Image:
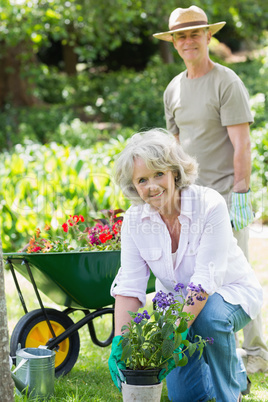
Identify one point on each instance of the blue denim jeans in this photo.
(219, 373)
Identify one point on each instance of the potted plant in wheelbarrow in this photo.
(153, 344)
(76, 235)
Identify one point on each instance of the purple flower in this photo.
(200, 298)
(210, 341)
(190, 301)
(196, 289)
(178, 287)
(146, 315)
(163, 300)
(138, 318)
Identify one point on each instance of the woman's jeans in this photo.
(219, 373)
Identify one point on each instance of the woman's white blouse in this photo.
(208, 253)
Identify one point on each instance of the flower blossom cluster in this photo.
(196, 291)
(100, 234)
(72, 221)
(210, 340)
(140, 317)
(77, 236)
(163, 300)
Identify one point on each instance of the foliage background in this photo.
(79, 77)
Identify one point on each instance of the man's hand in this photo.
(241, 213)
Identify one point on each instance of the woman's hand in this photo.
(115, 363)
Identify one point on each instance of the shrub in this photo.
(39, 184)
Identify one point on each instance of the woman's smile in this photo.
(157, 195)
(155, 187)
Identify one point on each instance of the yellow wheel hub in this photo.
(40, 335)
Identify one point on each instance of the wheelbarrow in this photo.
(75, 280)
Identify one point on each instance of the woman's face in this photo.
(156, 188)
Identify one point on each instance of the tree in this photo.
(6, 383)
(88, 30)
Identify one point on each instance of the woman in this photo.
(182, 232)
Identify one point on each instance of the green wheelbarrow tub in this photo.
(75, 279)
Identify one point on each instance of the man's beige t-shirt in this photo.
(200, 110)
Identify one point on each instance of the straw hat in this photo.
(184, 19)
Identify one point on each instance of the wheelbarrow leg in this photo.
(17, 286)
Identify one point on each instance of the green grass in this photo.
(90, 379)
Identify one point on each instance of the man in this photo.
(207, 109)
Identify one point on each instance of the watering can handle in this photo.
(21, 363)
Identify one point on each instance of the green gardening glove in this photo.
(115, 363)
(241, 213)
(171, 363)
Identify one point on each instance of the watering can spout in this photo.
(20, 385)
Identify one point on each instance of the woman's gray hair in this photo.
(161, 152)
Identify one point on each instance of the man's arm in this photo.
(240, 137)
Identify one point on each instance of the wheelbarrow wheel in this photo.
(32, 331)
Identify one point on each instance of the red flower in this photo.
(82, 219)
(65, 227)
(117, 226)
(75, 218)
(35, 249)
(104, 237)
(70, 223)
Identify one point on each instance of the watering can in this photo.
(35, 371)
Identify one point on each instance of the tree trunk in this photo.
(70, 59)
(6, 383)
(15, 88)
(165, 52)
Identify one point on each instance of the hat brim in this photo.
(167, 36)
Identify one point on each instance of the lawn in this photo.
(90, 379)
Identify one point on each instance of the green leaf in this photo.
(192, 348)
(147, 354)
(182, 326)
(185, 342)
(167, 330)
(183, 361)
(156, 315)
(177, 357)
(177, 340)
(167, 348)
(127, 351)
